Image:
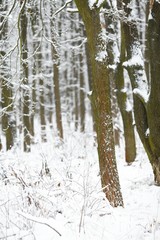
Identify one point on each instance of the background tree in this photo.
(153, 111)
(25, 75)
(8, 118)
(145, 109)
(117, 80)
(56, 64)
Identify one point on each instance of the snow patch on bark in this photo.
(136, 58)
(96, 3)
(101, 56)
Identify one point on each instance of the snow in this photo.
(93, 2)
(68, 201)
(136, 60)
(101, 56)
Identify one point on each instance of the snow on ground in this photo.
(54, 193)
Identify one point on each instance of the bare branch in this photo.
(64, 6)
(38, 220)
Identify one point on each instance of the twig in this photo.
(38, 220)
(8, 236)
(60, 9)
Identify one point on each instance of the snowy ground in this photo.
(54, 193)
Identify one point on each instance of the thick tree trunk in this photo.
(101, 104)
(153, 109)
(147, 113)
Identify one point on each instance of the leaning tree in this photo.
(145, 92)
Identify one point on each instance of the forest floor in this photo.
(54, 193)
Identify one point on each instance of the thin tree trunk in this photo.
(25, 88)
(126, 111)
(8, 120)
(56, 61)
(57, 94)
(82, 94)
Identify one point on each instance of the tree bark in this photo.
(56, 61)
(118, 82)
(82, 94)
(147, 113)
(101, 103)
(25, 73)
(8, 120)
(154, 99)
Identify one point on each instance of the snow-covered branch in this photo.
(64, 6)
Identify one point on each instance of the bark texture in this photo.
(24, 67)
(153, 109)
(55, 58)
(147, 113)
(117, 81)
(8, 120)
(101, 103)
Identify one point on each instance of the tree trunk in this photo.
(25, 88)
(57, 95)
(153, 109)
(8, 120)
(117, 79)
(34, 25)
(147, 113)
(126, 111)
(82, 94)
(56, 61)
(101, 103)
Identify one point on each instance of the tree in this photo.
(118, 81)
(56, 63)
(25, 74)
(101, 102)
(8, 120)
(153, 111)
(147, 114)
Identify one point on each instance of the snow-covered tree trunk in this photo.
(8, 120)
(35, 44)
(117, 81)
(82, 93)
(153, 109)
(101, 102)
(23, 21)
(147, 114)
(135, 66)
(125, 109)
(56, 63)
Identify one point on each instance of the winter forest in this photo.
(80, 119)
